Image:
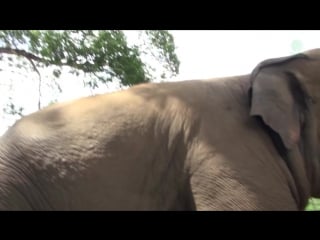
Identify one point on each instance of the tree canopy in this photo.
(102, 55)
(105, 54)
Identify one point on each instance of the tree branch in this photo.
(39, 87)
(23, 53)
(31, 56)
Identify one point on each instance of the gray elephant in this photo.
(236, 143)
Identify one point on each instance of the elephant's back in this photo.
(92, 141)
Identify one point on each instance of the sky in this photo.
(203, 54)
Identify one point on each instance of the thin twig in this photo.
(39, 86)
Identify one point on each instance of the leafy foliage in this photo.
(313, 205)
(105, 55)
(99, 56)
(10, 108)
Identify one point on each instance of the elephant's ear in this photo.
(278, 98)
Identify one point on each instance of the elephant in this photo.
(247, 142)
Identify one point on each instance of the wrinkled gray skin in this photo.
(236, 143)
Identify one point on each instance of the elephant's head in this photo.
(285, 95)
